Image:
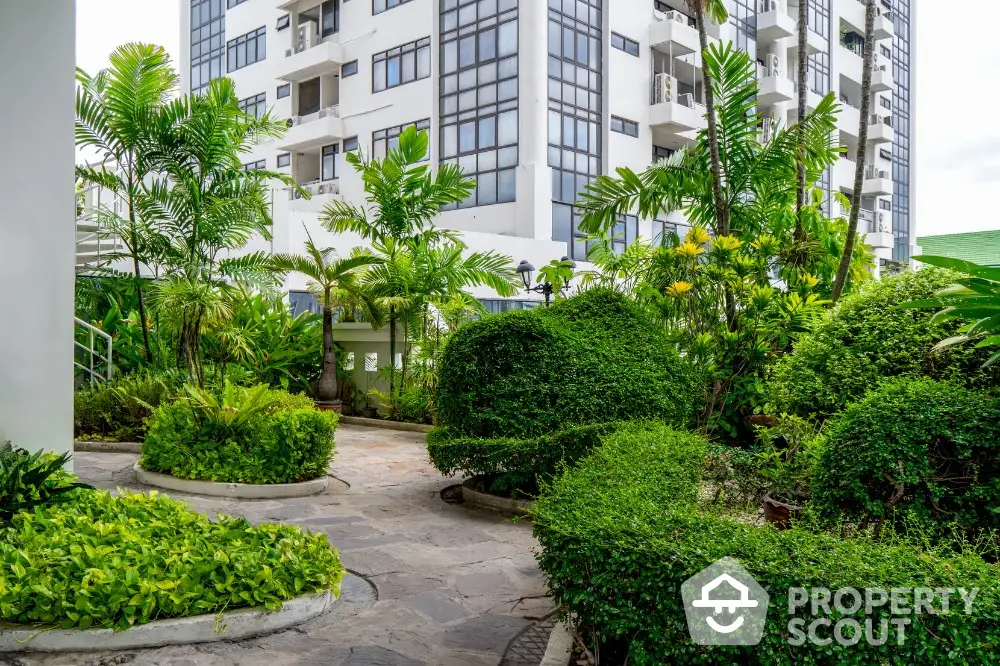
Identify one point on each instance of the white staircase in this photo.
(95, 247)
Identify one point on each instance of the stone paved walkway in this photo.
(454, 586)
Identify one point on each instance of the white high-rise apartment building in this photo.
(536, 97)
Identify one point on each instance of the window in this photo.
(625, 44)
(246, 49)
(255, 166)
(328, 162)
(884, 204)
(388, 139)
(885, 102)
(379, 6)
(661, 230)
(661, 153)
(330, 17)
(401, 65)
(254, 106)
(284, 90)
(351, 144)
(283, 22)
(208, 43)
(232, 3)
(886, 51)
(622, 126)
(284, 159)
(625, 232)
(478, 71)
(349, 69)
(885, 153)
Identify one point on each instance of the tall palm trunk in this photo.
(859, 171)
(135, 263)
(326, 389)
(392, 356)
(721, 210)
(803, 90)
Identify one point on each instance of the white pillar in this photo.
(37, 233)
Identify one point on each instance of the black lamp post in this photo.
(525, 269)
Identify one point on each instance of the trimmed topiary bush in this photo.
(251, 435)
(593, 358)
(928, 449)
(106, 561)
(867, 338)
(621, 532)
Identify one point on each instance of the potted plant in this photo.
(369, 410)
(788, 451)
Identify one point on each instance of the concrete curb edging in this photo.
(489, 502)
(237, 490)
(388, 425)
(559, 650)
(226, 626)
(108, 447)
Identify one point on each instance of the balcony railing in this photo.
(332, 111)
(314, 188)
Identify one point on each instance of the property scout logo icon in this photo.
(725, 605)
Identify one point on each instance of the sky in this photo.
(957, 143)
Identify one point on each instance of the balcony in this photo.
(671, 32)
(815, 43)
(774, 87)
(878, 182)
(884, 28)
(321, 194)
(313, 130)
(306, 60)
(881, 77)
(849, 120)
(774, 24)
(877, 226)
(880, 129)
(673, 111)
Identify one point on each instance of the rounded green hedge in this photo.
(289, 442)
(622, 531)
(867, 338)
(593, 358)
(925, 449)
(107, 561)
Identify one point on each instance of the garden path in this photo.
(454, 586)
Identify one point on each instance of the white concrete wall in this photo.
(36, 224)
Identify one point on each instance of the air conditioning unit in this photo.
(767, 6)
(687, 99)
(771, 62)
(676, 16)
(307, 36)
(329, 188)
(664, 86)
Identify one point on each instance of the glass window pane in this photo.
(392, 74)
(487, 160)
(450, 57)
(507, 157)
(487, 132)
(449, 135)
(507, 39)
(507, 127)
(467, 51)
(379, 76)
(562, 229)
(487, 188)
(467, 137)
(506, 186)
(409, 66)
(423, 62)
(569, 131)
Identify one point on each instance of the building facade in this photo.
(535, 98)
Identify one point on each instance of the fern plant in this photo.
(231, 410)
(28, 480)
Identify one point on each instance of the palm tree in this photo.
(115, 113)
(859, 169)
(803, 91)
(329, 277)
(403, 196)
(714, 10)
(190, 306)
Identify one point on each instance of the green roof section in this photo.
(979, 247)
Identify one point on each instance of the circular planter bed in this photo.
(108, 447)
(227, 626)
(475, 496)
(238, 490)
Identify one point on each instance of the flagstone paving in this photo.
(440, 584)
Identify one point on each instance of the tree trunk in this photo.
(803, 91)
(326, 389)
(138, 278)
(859, 172)
(721, 210)
(392, 356)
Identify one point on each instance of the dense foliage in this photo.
(589, 359)
(106, 561)
(515, 463)
(926, 449)
(866, 338)
(621, 532)
(28, 480)
(118, 409)
(241, 436)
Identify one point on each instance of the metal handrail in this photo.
(91, 349)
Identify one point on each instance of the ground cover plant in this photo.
(106, 561)
(242, 435)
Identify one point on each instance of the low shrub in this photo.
(28, 480)
(250, 435)
(119, 409)
(105, 561)
(593, 358)
(514, 464)
(924, 449)
(621, 532)
(867, 338)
